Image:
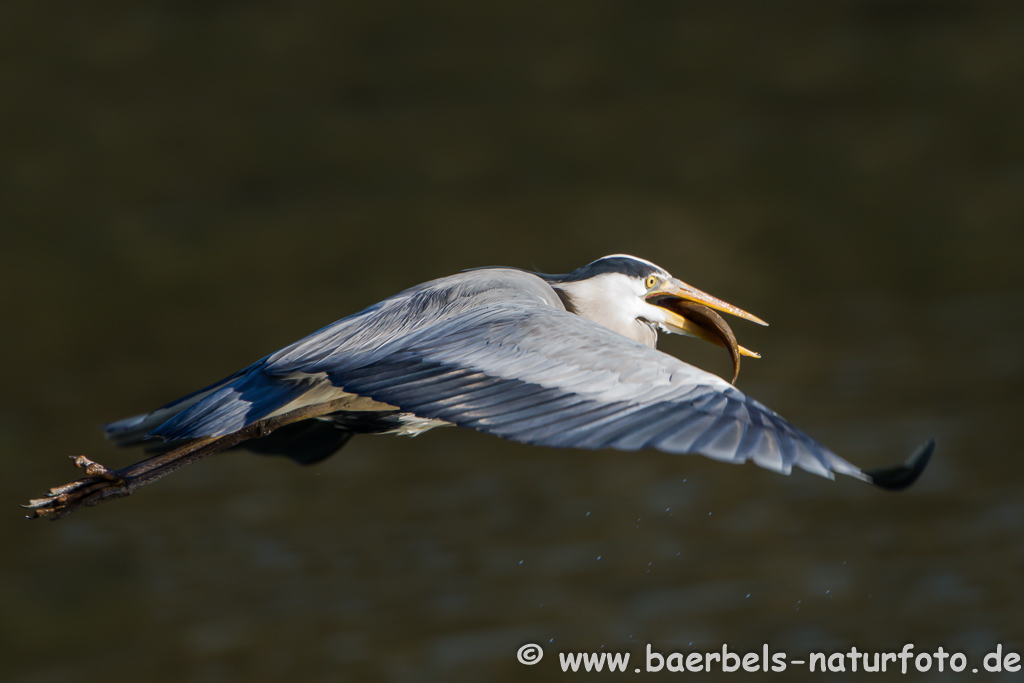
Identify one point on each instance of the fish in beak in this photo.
(692, 312)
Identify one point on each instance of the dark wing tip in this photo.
(900, 477)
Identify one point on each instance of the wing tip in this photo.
(899, 477)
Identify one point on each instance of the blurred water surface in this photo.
(187, 187)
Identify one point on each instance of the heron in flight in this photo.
(551, 360)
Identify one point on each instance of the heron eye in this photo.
(651, 281)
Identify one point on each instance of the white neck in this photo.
(611, 300)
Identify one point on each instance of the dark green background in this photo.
(185, 187)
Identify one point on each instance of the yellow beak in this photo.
(689, 311)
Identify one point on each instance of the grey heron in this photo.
(551, 360)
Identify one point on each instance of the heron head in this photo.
(637, 298)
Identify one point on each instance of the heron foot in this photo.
(99, 484)
(93, 468)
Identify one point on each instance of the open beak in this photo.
(692, 312)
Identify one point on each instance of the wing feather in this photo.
(529, 372)
(502, 356)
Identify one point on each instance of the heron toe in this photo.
(62, 500)
(93, 468)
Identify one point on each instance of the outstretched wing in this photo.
(527, 371)
(497, 354)
(502, 356)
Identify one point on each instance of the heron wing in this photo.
(525, 370)
(502, 356)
